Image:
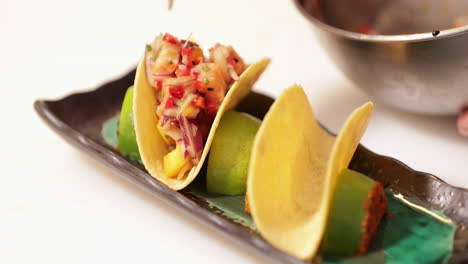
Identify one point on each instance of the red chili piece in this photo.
(187, 56)
(187, 51)
(211, 107)
(198, 85)
(170, 102)
(158, 85)
(232, 62)
(176, 91)
(199, 102)
(169, 38)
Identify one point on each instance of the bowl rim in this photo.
(405, 38)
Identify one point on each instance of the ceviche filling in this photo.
(189, 90)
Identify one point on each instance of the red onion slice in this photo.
(187, 136)
(192, 141)
(198, 139)
(167, 120)
(164, 120)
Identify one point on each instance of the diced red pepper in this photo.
(170, 102)
(199, 102)
(198, 85)
(187, 57)
(211, 107)
(158, 85)
(187, 51)
(176, 91)
(169, 38)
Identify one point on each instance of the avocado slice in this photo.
(358, 205)
(230, 153)
(127, 139)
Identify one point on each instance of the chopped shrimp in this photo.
(210, 84)
(185, 83)
(162, 59)
(227, 58)
(191, 55)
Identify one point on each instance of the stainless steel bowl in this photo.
(415, 58)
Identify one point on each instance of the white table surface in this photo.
(59, 206)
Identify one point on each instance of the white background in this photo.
(59, 206)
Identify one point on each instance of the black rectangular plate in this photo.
(78, 118)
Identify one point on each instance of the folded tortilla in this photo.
(293, 170)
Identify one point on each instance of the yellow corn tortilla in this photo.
(293, 169)
(151, 144)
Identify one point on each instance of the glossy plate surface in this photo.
(81, 117)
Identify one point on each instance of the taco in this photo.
(290, 201)
(179, 98)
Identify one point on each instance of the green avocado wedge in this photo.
(230, 154)
(127, 139)
(358, 205)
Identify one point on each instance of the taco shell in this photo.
(293, 169)
(151, 144)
